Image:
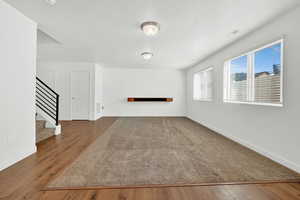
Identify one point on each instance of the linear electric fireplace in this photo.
(150, 99)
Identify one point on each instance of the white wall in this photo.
(119, 84)
(273, 131)
(97, 93)
(58, 75)
(17, 85)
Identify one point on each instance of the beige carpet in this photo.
(166, 151)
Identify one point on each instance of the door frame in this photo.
(89, 96)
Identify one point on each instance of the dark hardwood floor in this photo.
(26, 179)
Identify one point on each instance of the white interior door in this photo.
(80, 94)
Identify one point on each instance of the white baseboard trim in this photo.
(20, 157)
(289, 164)
(98, 116)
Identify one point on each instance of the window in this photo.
(203, 85)
(255, 77)
(238, 79)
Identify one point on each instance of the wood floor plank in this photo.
(26, 179)
(281, 190)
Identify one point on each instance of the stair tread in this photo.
(43, 134)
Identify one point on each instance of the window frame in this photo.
(212, 84)
(251, 76)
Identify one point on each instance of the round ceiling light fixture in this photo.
(147, 55)
(51, 2)
(150, 28)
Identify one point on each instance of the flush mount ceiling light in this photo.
(150, 28)
(147, 55)
(51, 2)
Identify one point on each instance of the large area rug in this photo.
(145, 152)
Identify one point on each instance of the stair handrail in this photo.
(45, 98)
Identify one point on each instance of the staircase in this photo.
(47, 106)
(42, 133)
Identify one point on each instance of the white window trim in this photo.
(250, 55)
(254, 103)
(205, 99)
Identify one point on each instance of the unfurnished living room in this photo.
(150, 100)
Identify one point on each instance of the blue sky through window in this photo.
(239, 65)
(266, 58)
(239, 68)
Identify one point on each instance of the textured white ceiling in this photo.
(108, 31)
